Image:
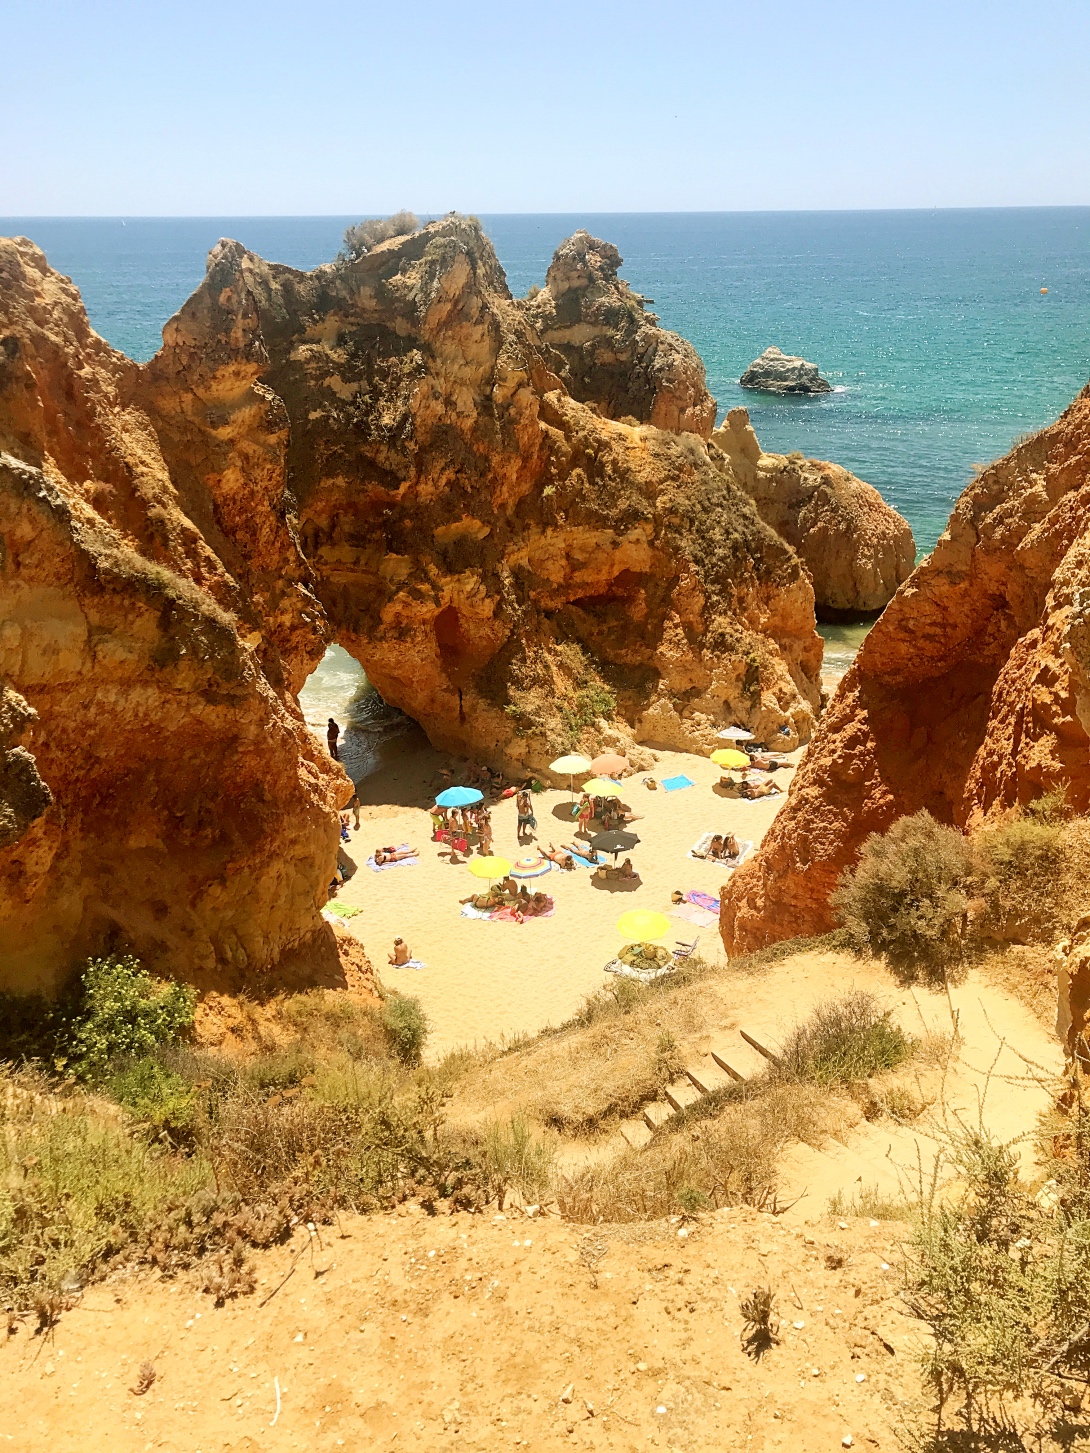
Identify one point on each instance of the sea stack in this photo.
(781, 373)
(857, 548)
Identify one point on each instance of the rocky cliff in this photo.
(158, 788)
(857, 548)
(615, 356)
(383, 453)
(970, 695)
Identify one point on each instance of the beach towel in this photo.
(468, 911)
(701, 847)
(401, 862)
(703, 900)
(675, 784)
(645, 976)
(690, 913)
(507, 915)
(412, 964)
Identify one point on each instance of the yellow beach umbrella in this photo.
(570, 766)
(640, 925)
(489, 867)
(602, 787)
(728, 757)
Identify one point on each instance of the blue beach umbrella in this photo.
(459, 797)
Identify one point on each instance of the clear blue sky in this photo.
(226, 108)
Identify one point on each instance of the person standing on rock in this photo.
(332, 732)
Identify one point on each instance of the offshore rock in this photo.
(615, 356)
(857, 548)
(781, 373)
(970, 696)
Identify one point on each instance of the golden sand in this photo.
(487, 980)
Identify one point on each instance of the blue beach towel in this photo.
(675, 784)
(582, 862)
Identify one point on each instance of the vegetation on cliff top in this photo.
(363, 236)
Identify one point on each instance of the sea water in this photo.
(932, 326)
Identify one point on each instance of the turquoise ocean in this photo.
(931, 326)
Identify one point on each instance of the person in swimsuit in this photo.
(393, 855)
(561, 859)
(527, 822)
(401, 954)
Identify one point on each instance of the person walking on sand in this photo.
(332, 732)
(527, 822)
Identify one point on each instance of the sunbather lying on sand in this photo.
(538, 904)
(485, 901)
(394, 855)
(561, 859)
(582, 851)
(752, 790)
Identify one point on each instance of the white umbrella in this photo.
(735, 734)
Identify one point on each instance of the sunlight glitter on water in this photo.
(339, 688)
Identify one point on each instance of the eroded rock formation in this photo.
(857, 548)
(380, 452)
(158, 789)
(971, 694)
(783, 373)
(615, 356)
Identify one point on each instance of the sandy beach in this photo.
(487, 980)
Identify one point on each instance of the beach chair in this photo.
(685, 950)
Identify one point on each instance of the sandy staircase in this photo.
(739, 1057)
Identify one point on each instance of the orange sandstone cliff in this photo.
(970, 695)
(857, 548)
(388, 453)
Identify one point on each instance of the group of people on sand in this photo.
(722, 847)
(459, 824)
(609, 811)
(509, 894)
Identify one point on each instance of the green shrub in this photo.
(512, 1159)
(360, 238)
(406, 1027)
(1021, 870)
(907, 897)
(123, 1011)
(1002, 1279)
(157, 1097)
(843, 1042)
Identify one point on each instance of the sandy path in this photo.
(486, 980)
(447, 1332)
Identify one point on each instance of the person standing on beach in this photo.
(332, 732)
(354, 805)
(527, 822)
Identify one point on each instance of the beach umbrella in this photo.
(609, 764)
(602, 787)
(459, 796)
(729, 757)
(614, 842)
(569, 766)
(532, 866)
(640, 925)
(489, 868)
(735, 734)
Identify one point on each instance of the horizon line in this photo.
(566, 212)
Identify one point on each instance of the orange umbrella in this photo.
(609, 764)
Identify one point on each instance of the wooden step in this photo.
(636, 1132)
(707, 1076)
(682, 1093)
(655, 1113)
(740, 1060)
(760, 1043)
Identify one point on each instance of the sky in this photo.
(153, 107)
